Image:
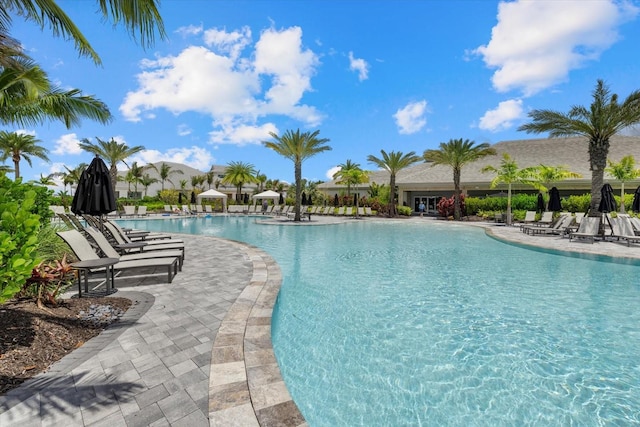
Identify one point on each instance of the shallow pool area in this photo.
(391, 323)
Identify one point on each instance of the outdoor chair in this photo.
(207, 209)
(142, 211)
(589, 229)
(129, 210)
(123, 239)
(83, 250)
(558, 228)
(621, 228)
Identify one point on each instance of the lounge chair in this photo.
(589, 229)
(123, 241)
(83, 250)
(622, 229)
(129, 210)
(141, 211)
(136, 235)
(558, 228)
(207, 209)
(199, 209)
(367, 211)
(111, 252)
(529, 218)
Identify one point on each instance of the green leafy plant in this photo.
(18, 236)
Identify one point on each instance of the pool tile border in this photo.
(245, 383)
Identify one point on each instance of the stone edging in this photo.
(245, 384)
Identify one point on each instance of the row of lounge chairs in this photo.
(188, 209)
(93, 239)
(288, 210)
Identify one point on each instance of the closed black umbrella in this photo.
(304, 198)
(554, 200)
(309, 200)
(193, 197)
(246, 198)
(636, 200)
(607, 201)
(336, 201)
(179, 198)
(94, 195)
(355, 200)
(281, 200)
(540, 207)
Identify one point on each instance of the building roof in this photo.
(571, 153)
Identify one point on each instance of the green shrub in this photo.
(404, 210)
(577, 203)
(18, 236)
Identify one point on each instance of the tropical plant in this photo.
(72, 176)
(393, 162)
(446, 206)
(113, 152)
(134, 175)
(344, 170)
(602, 120)
(28, 98)
(141, 18)
(353, 176)
(297, 147)
(623, 171)
(238, 174)
(147, 181)
(165, 171)
(19, 146)
(457, 153)
(508, 173)
(18, 236)
(543, 176)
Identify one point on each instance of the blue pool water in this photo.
(403, 324)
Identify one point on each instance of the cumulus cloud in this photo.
(184, 130)
(234, 85)
(359, 65)
(242, 134)
(411, 118)
(68, 144)
(502, 117)
(189, 30)
(196, 157)
(535, 44)
(332, 172)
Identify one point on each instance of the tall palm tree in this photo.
(134, 175)
(598, 123)
(147, 181)
(393, 162)
(72, 176)
(164, 172)
(28, 98)
(508, 173)
(297, 147)
(457, 153)
(141, 18)
(345, 170)
(238, 174)
(19, 146)
(623, 171)
(544, 175)
(113, 152)
(261, 179)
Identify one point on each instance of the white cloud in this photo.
(537, 43)
(234, 87)
(196, 157)
(68, 144)
(502, 117)
(189, 30)
(332, 172)
(184, 130)
(359, 65)
(411, 118)
(26, 132)
(242, 134)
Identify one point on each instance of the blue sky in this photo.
(370, 75)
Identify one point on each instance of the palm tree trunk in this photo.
(622, 197)
(598, 151)
(392, 196)
(298, 177)
(509, 204)
(456, 196)
(16, 167)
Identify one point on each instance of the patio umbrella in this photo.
(246, 198)
(355, 200)
(309, 201)
(336, 201)
(281, 199)
(304, 198)
(94, 195)
(636, 200)
(554, 200)
(193, 197)
(179, 198)
(540, 207)
(607, 201)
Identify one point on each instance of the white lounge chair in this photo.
(589, 229)
(142, 210)
(129, 210)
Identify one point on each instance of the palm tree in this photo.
(141, 18)
(345, 170)
(113, 152)
(147, 181)
(545, 175)
(393, 163)
(297, 147)
(261, 179)
(134, 175)
(354, 176)
(602, 120)
(457, 153)
(165, 172)
(508, 173)
(28, 98)
(19, 146)
(623, 171)
(72, 176)
(210, 177)
(238, 174)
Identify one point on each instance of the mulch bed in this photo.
(32, 339)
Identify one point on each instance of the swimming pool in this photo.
(437, 324)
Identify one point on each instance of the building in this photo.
(424, 182)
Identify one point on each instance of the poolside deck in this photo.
(198, 352)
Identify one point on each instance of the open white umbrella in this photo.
(214, 194)
(269, 194)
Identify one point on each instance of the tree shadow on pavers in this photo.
(59, 395)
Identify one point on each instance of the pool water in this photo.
(405, 323)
